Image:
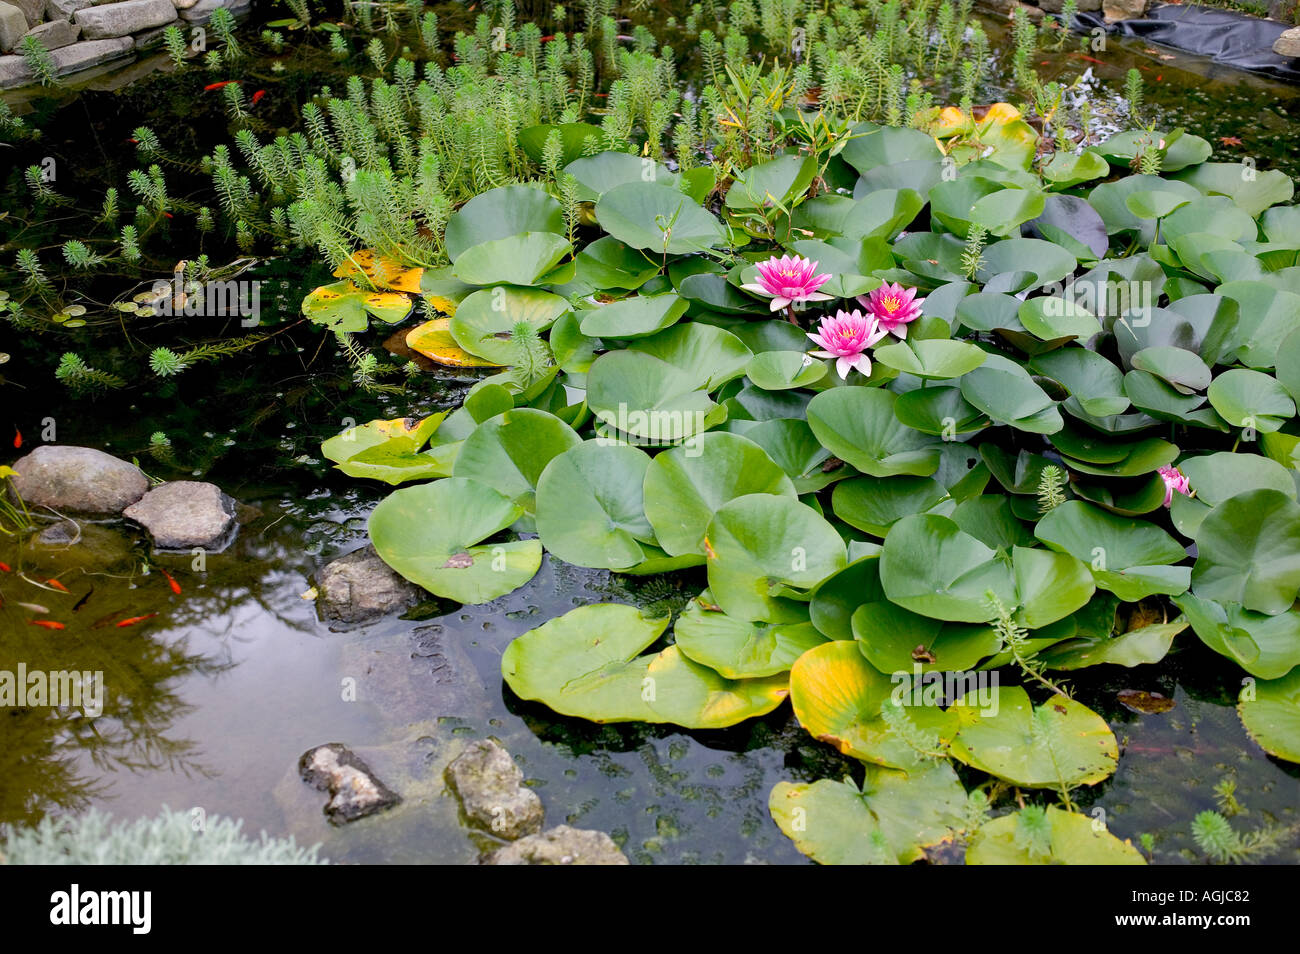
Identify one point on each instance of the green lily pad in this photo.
(591, 507)
(738, 649)
(874, 504)
(637, 317)
(897, 640)
(483, 322)
(1005, 392)
(501, 213)
(642, 395)
(931, 357)
(1061, 744)
(772, 184)
(658, 218)
(686, 486)
(586, 664)
(858, 425)
(1251, 399)
(930, 566)
(429, 533)
(1066, 838)
(1090, 378)
(837, 597)
(1265, 646)
(528, 258)
(1249, 552)
(1270, 710)
(782, 370)
(342, 306)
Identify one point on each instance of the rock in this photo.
(561, 845)
(360, 586)
(64, 9)
(490, 787)
(69, 545)
(1288, 44)
(13, 25)
(153, 37)
(120, 19)
(183, 4)
(1051, 6)
(1114, 10)
(181, 514)
(33, 10)
(1089, 6)
(1035, 13)
(78, 479)
(1283, 11)
(56, 34)
(354, 790)
(199, 11)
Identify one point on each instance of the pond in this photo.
(232, 674)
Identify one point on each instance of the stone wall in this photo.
(83, 33)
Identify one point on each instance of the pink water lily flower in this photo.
(789, 279)
(846, 337)
(893, 306)
(1175, 480)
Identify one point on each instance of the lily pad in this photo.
(658, 218)
(858, 425)
(1270, 710)
(1067, 838)
(1249, 552)
(344, 307)
(741, 650)
(483, 322)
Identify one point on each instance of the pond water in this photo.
(214, 699)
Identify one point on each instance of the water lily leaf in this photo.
(484, 320)
(1270, 711)
(887, 145)
(509, 452)
(1005, 392)
(501, 213)
(604, 171)
(1138, 647)
(1267, 316)
(1065, 169)
(708, 355)
(1070, 838)
(1265, 646)
(891, 820)
(380, 271)
(930, 566)
(775, 183)
(1251, 399)
(795, 449)
(528, 258)
(837, 597)
(1130, 558)
(1216, 477)
(989, 518)
(434, 340)
(1090, 378)
(442, 292)
(1049, 586)
(1154, 203)
(1060, 744)
(404, 433)
(342, 306)
(1181, 369)
(952, 202)
(1051, 263)
(686, 486)
(1249, 552)
(897, 640)
(1252, 190)
(428, 533)
(608, 263)
(738, 649)
(645, 396)
(837, 697)
(874, 504)
(858, 425)
(591, 507)
(1177, 148)
(586, 664)
(881, 214)
(1215, 214)
(637, 317)
(760, 545)
(1002, 213)
(574, 140)
(1052, 318)
(1094, 454)
(931, 358)
(1110, 198)
(659, 218)
(781, 370)
(940, 411)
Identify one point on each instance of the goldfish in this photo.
(136, 619)
(46, 623)
(57, 585)
(258, 95)
(5, 567)
(176, 587)
(18, 438)
(212, 86)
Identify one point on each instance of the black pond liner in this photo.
(1233, 39)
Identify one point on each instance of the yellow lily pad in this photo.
(342, 306)
(433, 340)
(381, 271)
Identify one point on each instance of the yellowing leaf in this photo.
(433, 340)
(382, 271)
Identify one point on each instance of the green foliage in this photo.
(39, 61)
(80, 378)
(168, 838)
(177, 49)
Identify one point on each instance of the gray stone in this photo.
(12, 26)
(119, 19)
(1051, 6)
(360, 586)
(1114, 10)
(64, 9)
(87, 53)
(153, 37)
(56, 34)
(33, 10)
(183, 4)
(490, 787)
(13, 71)
(185, 513)
(354, 790)
(1283, 11)
(78, 479)
(1288, 44)
(561, 845)
(202, 9)
(1089, 6)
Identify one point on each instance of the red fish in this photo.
(212, 86)
(133, 620)
(1090, 59)
(176, 587)
(46, 623)
(57, 585)
(18, 438)
(6, 568)
(258, 95)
